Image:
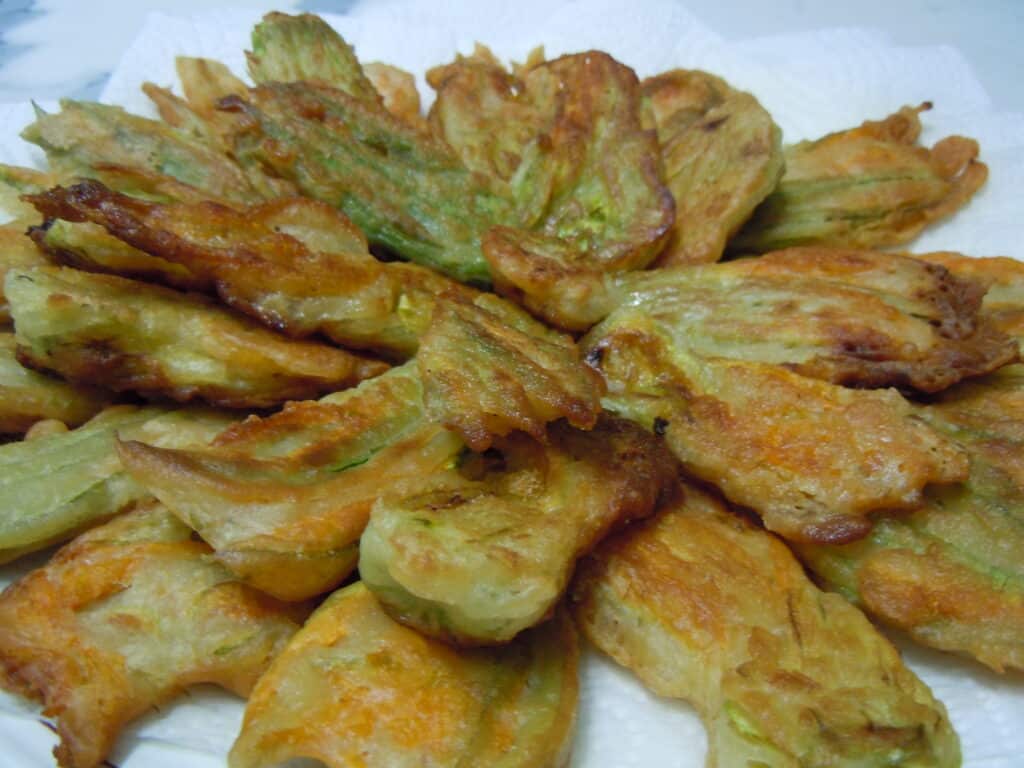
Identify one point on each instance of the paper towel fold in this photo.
(811, 83)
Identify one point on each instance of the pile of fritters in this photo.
(548, 407)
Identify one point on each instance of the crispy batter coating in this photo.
(858, 318)
(589, 192)
(950, 573)
(16, 252)
(294, 264)
(705, 607)
(87, 246)
(485, 113)
(868, 187)
(812, 458)
(355, 687)
(304, 47)
(318, 121)
(53, 486)
(132, 336)
(397, 89)
(204, 83)
(15, 181)
(405, 189)
(283, 500)
(89, 139)
(487, 373)
(27, 397)
(722, 153)
(123, 619)
(1003, 279)
(478, 553)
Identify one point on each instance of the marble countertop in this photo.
(54, 48)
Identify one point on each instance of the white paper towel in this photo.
(812, 84)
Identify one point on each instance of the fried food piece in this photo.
(204, 83)
(705, 607)
(52, 487)
(590, 193)
(16, 252)
(723, 156)
(15, 181)
(485, 376)
(950, 573)
(478, 553)
(123, 619)
(287, 49)
(857, 318)
(812, 458)
(405, 189)
(302, 266)
(397, 89)
(303, 481)
(1003, 279)
(867, 187)
(295, 264)
(485, 113)
(89, 247)
(86, 139)
(27, 397)
(355, 687)
(132, 336)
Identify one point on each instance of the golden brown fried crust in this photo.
(303, 480)
(296, 265)
(871, 186)
(397, 88)
(813, 459)
(722, 154)
(90, 248)
(27, 397)
(592, 199)
(705, 607)
(876, 296)
(364, 690)
(130, 336)
(476, 554)
(488, 374)
(482, 110)
(121, 620)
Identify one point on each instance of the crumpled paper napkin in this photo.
(812, 83)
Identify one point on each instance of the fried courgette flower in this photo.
(858, 318)
(868, 187)
(55, 486)
(704, 606)
(301, 266)
(27, 397)
(589, 194)
(488, 372)
(121, 620)
(130, 336)
(477, 553)
(575, 193)
(815, 460)
(294, 264)
(283, 500)
(16, 252)
(950, 573)
(722, 153)
(354, 687)
(404, 188)
(138, 155)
